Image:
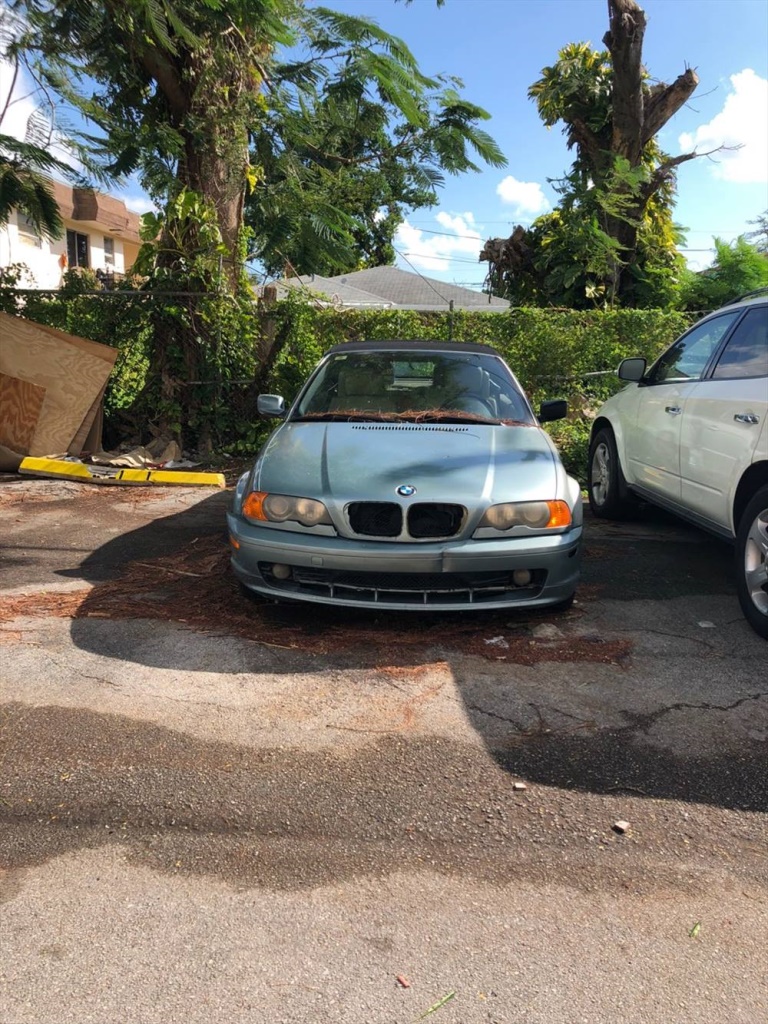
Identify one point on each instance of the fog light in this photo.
(281, 572)
(521, 577)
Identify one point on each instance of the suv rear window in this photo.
(746, 354)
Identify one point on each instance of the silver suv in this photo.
(690, 434)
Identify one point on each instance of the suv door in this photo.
(723, 419)
(653, 444)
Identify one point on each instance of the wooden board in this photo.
(20, 405)
(89, 434)
(73, 371)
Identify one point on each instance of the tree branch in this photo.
(664, 102)
(664, 171)
(168, 82)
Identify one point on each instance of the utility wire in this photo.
(426, 280)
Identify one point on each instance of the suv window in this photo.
(686, 359)
(746, 354)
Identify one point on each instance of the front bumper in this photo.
(439, 576)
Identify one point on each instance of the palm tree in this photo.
(25, 185)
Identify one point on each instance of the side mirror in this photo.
(271, 406)
(557, 409)
(632, 369)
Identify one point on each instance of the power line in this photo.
(424, 279)
(429, 256)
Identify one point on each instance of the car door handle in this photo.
(746, 417)
(673, 410)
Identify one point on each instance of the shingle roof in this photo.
(414, 291)
(336, 292)
(390, 287)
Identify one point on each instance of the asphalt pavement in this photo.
(221, 810)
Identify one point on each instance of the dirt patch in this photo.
(196, 587)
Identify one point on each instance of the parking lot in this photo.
(216, 808)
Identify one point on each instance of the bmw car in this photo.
(409, 475)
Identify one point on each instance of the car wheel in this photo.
(607, 490)
(752, 562)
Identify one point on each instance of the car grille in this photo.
(435, 520)
(426, 520)
(375, 518)
(405, 588)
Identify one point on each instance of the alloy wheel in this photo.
(756, 562)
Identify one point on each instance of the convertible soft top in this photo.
(442, 346)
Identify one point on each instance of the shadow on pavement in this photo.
(162, 590)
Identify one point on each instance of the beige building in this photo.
(101, 234)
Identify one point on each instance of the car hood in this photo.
(341, 462)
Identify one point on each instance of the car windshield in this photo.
(414, 386)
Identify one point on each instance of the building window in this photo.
(27, 231)
(77, 249)
(109, 252)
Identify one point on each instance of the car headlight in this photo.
(538, 515)
(279, 508)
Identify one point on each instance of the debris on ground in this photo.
(621, 827)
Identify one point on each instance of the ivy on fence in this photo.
(245, 349)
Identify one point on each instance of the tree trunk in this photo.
(639, 113)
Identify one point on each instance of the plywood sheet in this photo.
(73, 371)
(88, 437)
(20, 404)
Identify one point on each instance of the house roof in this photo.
(97, 210)
(414, 291)
(392, 288)
(336, 292)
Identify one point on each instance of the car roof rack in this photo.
(756, 294)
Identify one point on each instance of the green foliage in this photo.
(612, 240)
(25, 186)
(553, 353)
(738, 267)
(348, 143)
(759, 237)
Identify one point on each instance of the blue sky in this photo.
(499, 47)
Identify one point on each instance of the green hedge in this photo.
(552, 352)
(541, 346)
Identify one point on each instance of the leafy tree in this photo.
(760, 235)
(25, 186)
(195, 99)
(614, 239)
(340, 168)
(181, 92)
(739, 267)
(25, 165)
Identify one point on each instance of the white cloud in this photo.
(136, 203)
(26, 100)
(459, 237)
(526, 197)
(22, 104)
(743, 121)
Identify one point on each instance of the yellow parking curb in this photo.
(62, 469)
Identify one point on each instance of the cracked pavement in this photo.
(213, 809)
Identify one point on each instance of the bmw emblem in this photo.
(406, 490)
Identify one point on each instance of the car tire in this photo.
(752, 562)
(608, 497)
